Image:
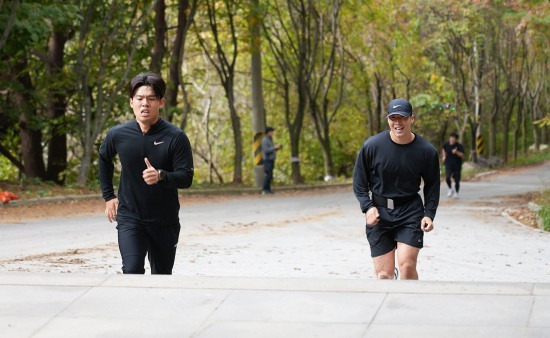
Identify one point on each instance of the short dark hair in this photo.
(150, 79)
(455, 135)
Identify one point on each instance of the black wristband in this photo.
(162, 174)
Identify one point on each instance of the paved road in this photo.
(310, 266)
(317, 234)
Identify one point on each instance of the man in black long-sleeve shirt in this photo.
(452, 154)
(391, 166)
(156, 160)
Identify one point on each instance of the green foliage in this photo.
(9, 140)
(8, 172)
(532, 158)
(421, 50)
(544, 122)
(544, 212)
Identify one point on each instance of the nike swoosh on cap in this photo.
(396, 106)
(157, 143)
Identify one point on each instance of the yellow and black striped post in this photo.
(479, 144)
(257, 148)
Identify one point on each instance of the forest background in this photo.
(320, 72)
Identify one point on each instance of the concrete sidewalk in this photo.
(72, 305)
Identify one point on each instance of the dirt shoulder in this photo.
(96, 206)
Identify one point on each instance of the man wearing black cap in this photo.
(452, 154)
(269, 153)
(391, 166)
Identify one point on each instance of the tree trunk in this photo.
(295, 160)
(189, 13)
(379, 105)
(29, 130)
(86, 163)
(209, 157)
(9, 24)
(31, 146)
(523, 124)
(160, 32)
(492, 136)
(237, 137)
(535, 96)
(258, 111)
(224, 64)
(494, 113)
(297, 131)
(517, 128)
(506, 128)
(504, 149)
(327, 157)
(328, 77)
(186, 12)
(291, 42)
(323, 136)
(544, 135)
(368, 105)
(536, 137)
(294, 131)
(57, 106)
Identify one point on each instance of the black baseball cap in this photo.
(401, 107)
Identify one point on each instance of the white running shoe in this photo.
(450, 193)
(456, 196)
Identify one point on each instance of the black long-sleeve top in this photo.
(395, 170)
(167, 148)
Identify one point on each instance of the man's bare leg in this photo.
(407, 257)
(384, 265)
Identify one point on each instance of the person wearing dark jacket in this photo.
(452, 154)
(269, 154)
(391, 166)
(156, 160)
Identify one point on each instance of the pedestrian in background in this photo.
(452, 154)
(156, 160)
(391, 166)
(269, 154)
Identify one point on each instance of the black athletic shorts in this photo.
(401, 224)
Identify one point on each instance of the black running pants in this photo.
(454, 171)
(136, 240)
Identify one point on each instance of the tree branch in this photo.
(9, 24)
(12, 158)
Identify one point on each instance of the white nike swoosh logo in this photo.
(157, 143)
(396, 106)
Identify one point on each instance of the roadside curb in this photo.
(507, 216)
(189, 192)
